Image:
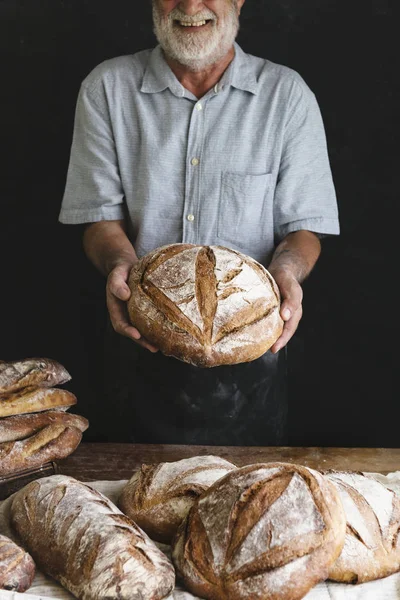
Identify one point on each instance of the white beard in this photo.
(198, 49)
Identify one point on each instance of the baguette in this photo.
(159, 496)
(19, 427)
(372, 544)
(32, 400)
(53, 442)
(17, 569)
(268, 531)
(205, 305)
(80, 538)
(31, 372)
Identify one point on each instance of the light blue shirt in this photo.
(241, 167)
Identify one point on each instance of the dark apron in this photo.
(152, 398)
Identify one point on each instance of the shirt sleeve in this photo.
(93, 190)
(305, 196)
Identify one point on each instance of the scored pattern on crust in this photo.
(209, 291)
(17, 569)
(159, 496)
(79, 537)
(30, 372)
(257, 530)
(371, 547)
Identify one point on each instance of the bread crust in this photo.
(31, 372)
(269, 531)
(79, 537)
(36, 399)
(205, 305)
(19, 427)
(158, 497)
(17, 568)
(53, 442)
(372, 544)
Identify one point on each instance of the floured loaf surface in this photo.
(206, 305)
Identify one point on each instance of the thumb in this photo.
(118, 286)
(122, 292)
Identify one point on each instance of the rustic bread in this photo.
(34, 399)
(263, 532)
(17, 569)
(158, 497)
(372, 543)
(19, 427)
(54, 442)
(31, 372)
(78, 536)
(205, 305)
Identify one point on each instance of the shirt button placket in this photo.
(192, 174)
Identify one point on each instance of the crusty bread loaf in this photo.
(53, 442)
(35, 399)
(158, 497)
(206, 305)
(19, 427)
(263, 532)
(17, 569)
(31, 372)
(372, 543)
(79, 537)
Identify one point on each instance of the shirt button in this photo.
(195, 161)
(190, 217)
(199, 106)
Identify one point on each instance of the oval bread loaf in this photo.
(30, 400)
(79, 537)
(372, 544)
(205, 305)
(263, 532)
(19, 427)
(158, 497)
(31, 372)
(17, 569)
(54, 442)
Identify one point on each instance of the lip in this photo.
(191, 29)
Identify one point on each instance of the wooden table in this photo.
(110, 461)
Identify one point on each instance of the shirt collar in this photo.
(158, 75)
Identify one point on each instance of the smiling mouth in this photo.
(195, 25)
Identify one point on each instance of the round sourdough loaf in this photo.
(158, 497)
(372, 544)
(205, 305)
(263, 532)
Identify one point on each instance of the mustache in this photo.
(178, 15)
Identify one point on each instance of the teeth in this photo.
(197, 24)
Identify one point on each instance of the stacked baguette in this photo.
(34, 425)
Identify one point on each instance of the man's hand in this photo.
(291, 307)
(107, 246)
(117, 294)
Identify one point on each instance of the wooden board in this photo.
(113, 461)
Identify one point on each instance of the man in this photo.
(195, 141)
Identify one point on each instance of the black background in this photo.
(343, 359)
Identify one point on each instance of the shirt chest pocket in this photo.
(243, 207)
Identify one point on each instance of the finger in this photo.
(118, 287)
(289, 329)
(146, 344)
(119, 318)
(291, 305)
